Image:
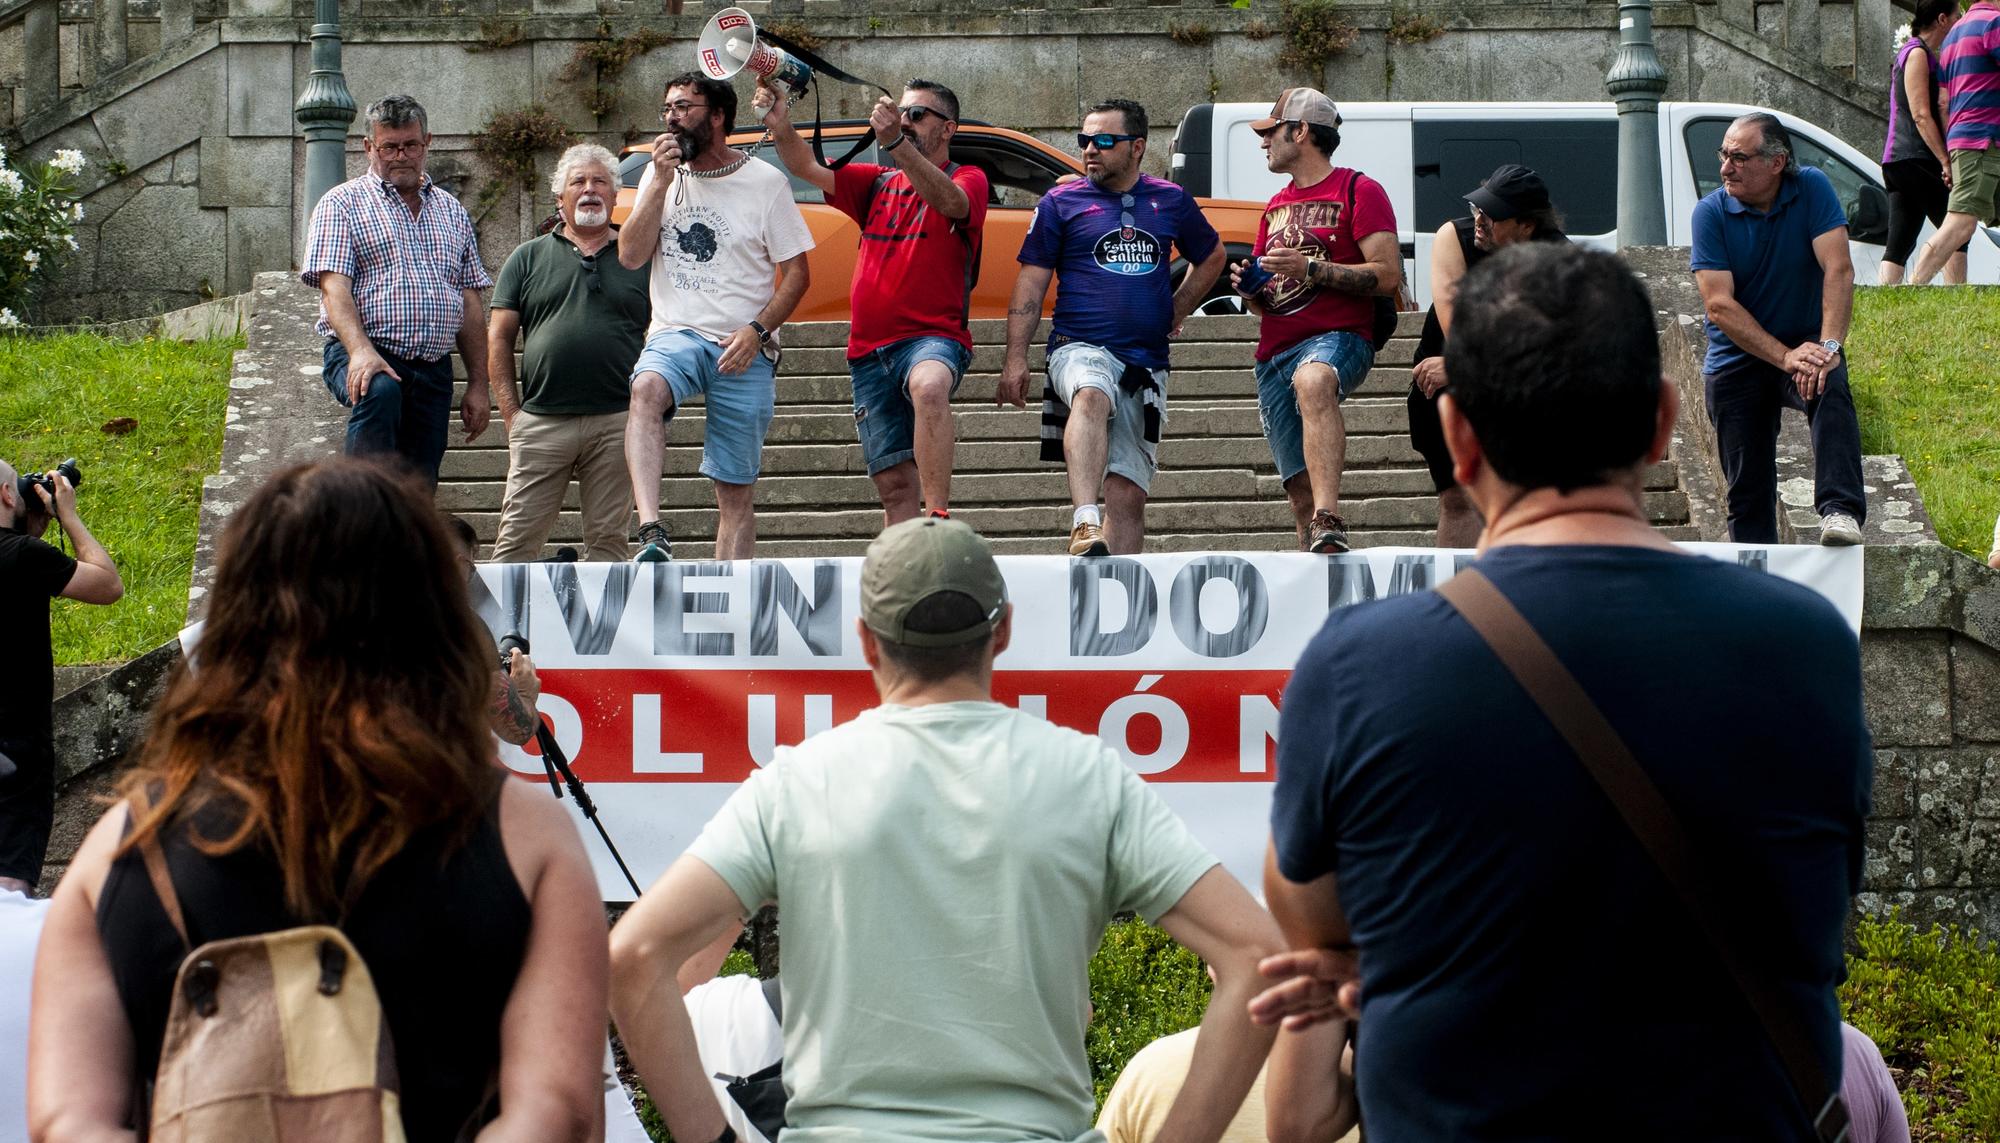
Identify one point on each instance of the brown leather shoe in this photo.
(1088, 540)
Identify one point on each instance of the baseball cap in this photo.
(917, 559)
(1509, 192)
(1300, 105)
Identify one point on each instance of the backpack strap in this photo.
(1652, 821)
(162, 878)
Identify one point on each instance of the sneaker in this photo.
(940, 513)
(1329, 533)
(1838, 530)
(1088, 540)
(654, 548)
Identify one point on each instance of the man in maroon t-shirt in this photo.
(1330, 239)
(908, 345)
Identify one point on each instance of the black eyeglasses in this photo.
(1103, 140)
(681, 107)
(919, 114)
(1266, 132)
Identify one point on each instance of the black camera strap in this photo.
(820, 66)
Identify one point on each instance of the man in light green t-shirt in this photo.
(945, 867)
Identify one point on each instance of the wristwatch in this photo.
(764, 335)
(1831, 346)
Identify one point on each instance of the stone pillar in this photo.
(325, 108)
(176, 19)
(113, 49)
(40, 45)
(1636, 81)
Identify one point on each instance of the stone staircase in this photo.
(1216, 490)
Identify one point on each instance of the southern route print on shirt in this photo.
(690, 237)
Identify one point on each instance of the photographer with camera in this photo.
(31, 573)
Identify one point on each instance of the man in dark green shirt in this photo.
(583, 317)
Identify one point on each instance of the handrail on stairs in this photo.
(42, 41)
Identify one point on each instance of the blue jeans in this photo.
(410, 418)
(1278, 403)
(738, 408)
(1744, 404)
(883, 416)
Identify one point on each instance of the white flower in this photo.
(76, 212)
(69, 161)
(33, 258)
(71, 239)
(7, 319)
(11, 180)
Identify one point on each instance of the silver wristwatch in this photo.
(1831, 345)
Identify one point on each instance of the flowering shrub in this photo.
(38, 217)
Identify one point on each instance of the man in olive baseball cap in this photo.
(932, 582)
(950, 856)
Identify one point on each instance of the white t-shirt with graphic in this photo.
(720, 244)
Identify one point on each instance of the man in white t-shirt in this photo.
(716, 228)
(945, 867)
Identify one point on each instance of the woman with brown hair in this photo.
(330, 763)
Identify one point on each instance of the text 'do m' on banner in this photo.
(669, 684)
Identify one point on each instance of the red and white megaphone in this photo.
(729, 44)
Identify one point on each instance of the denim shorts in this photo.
(883, 415)
(1076, 366)
(739, 405)
(1351, 356)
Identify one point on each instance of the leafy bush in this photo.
(1314, 33)
(38, 217)
(1143, 986)
(1931, 1001)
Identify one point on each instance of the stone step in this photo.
(993, 331)
(487, 460)
(969, 490)
(978, 388)
(568, 533)
(1406, 513)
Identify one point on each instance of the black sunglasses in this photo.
(919, 114)
(1103, 140)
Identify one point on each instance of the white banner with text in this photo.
(666, 685)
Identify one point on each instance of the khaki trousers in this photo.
(542, 454)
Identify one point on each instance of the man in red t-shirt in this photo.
(1330, 239)
(907, 345)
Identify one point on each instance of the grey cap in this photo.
(1300, 105)
(916, 559)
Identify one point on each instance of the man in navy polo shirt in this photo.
(1105, 401)
(1771, 258)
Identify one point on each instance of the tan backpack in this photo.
(275, 1038)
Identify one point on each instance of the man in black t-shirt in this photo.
(1524, 970)
(1511, 206)
(32, 573)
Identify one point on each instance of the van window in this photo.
(1578, 159)
(1704, 139)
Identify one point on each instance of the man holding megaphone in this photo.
(727, 247)
(908, 346)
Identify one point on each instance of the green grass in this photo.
(1926, 379)
(141, 494)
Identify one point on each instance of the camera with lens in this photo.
(26, 486)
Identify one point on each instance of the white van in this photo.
(1427, 155)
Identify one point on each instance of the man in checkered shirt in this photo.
(396, 263)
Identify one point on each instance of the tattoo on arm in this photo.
(512, 719)
(1349, 279)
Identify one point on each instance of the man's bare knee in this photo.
(650, 394)
(930, 388)
(1092, 403)
(1317, 386)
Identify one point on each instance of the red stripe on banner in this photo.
(720, 725)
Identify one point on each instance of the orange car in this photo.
(1019, 168)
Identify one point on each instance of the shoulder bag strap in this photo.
(1649, 817)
